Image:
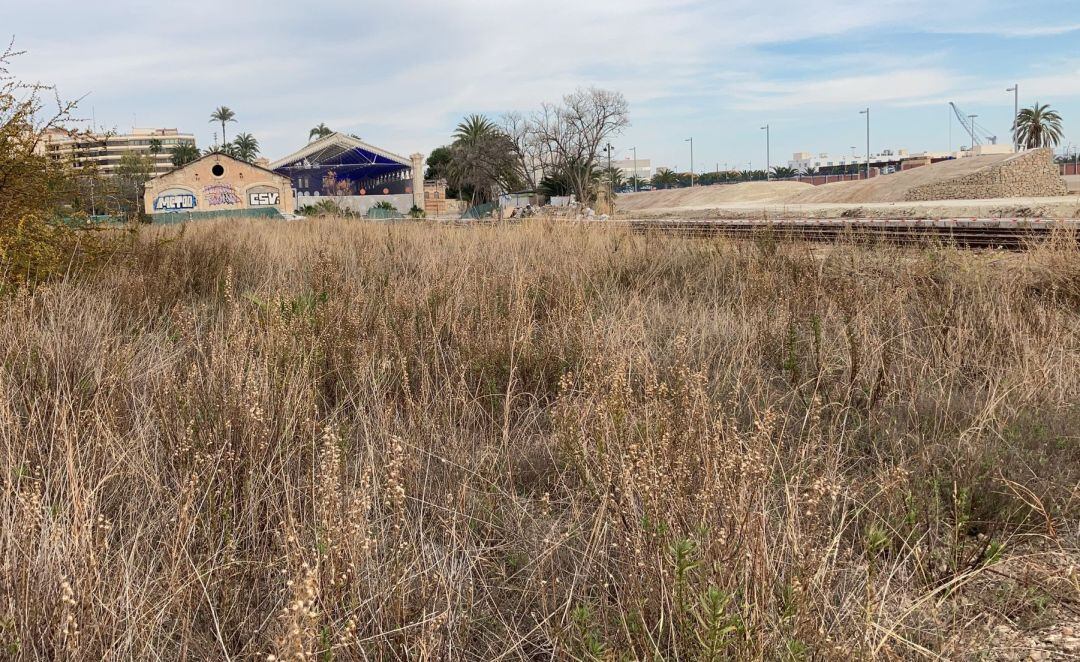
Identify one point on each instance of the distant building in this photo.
(355, 174)
(218, 185)
(801, 161)
(886, 160)
(105, 150)
(629, 167)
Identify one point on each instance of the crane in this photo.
(977, 132)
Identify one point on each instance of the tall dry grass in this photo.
(339, 440)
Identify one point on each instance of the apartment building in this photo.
(630, 167)
(105, 150)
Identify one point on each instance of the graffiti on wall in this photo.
(221, 194)
(174, 200)
(263, 196)
(264, 199)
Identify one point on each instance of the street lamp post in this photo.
(867, 113)
(635, 170)
(610, 175)
(691, 141)
(768, 150)
(1015, 89)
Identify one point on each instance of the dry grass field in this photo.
(331, 440)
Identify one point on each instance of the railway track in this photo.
(1009, 233)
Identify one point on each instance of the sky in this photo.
(402, 74)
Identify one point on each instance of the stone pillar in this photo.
(418, 180)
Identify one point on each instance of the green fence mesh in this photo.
(184, 216)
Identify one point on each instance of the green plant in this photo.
(1038, 126)
(223, 114)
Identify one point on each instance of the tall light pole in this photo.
(768, 155)
(610, 175)
(867, 113)
(691, 141)
(635, 169)
(1015, 89)
(971, 128)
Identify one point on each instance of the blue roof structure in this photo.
(339, 164)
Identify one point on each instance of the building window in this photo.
(218, 170)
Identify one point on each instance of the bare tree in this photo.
(571, 135)
(527, 147)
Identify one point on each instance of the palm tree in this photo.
(155, 146)
(223, 114)
(1038, 126)
(184, 153)
(783, 172)
(320, 131)
(474, 127)
(665, 178)
(228, 149)
(246, 147)
(614, 177)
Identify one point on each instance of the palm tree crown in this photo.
(223, 114)
(665, 178)
(184, 153)
(1038, 126)
(246, 147)
(474, 127)
(320, 131)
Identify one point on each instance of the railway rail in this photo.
(1009, 233)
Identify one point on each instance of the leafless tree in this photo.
(571, 135)
(527, 147)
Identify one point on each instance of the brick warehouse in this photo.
(218, 185)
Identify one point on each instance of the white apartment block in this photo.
(807, 161)
(105, 150)
(629, 167)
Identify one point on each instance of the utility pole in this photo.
(867, 113)
(691, 141)
(768, 155)
(635, 170)
(610, 177)
(1015, 89)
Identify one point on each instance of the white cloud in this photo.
(895, 86)
(401, 74)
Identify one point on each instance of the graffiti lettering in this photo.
(174, 202)
(263, 199)
(221, 194)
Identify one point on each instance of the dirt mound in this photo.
(706, 196)
(895, 187)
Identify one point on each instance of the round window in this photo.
(218, 170)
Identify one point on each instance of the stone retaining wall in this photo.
(1028, 174)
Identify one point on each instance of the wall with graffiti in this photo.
(174, 200)
(217, 195)
(218, 185)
